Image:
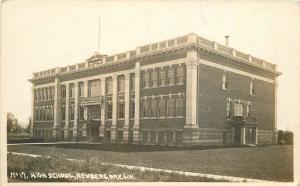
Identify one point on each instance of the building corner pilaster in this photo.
(136, 126)
(190, 132)
(57, 109)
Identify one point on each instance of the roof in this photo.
(174, 43)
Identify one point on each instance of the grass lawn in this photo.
(267, 162)
(49, 169)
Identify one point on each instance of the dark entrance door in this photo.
(92, 130)
(93, 123)
(237, 135)
(250, 135)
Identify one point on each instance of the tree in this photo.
(12, 124)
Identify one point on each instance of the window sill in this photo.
(43, 121)
(161, 86)
(177, 117)
(43, 100)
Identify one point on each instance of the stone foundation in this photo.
(185, 137)
(266, 137)
(206, 136)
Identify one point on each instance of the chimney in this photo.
(226, 40)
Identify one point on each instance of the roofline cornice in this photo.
(155, 49)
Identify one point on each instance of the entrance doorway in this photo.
(237, 135)
(93, 121)
(92, 130)
(250, 135)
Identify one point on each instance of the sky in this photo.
(39, 35)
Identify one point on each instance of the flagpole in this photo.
(98, 49)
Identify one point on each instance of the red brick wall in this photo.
(212, 99)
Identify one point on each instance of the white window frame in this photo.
(238, 109)
(225, 81)
(252, 87)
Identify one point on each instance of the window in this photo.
(109, 108)
(225, 81)
(107, 135)
(121, 109)
(179, 106)
(81, 113)
(169, 136)
(72, 91)
(171, 76)
(132, 82)
(80, 89)
(94, 112)
(121, 83)
(162, 77)
(51, 93)
(39, 118)
(42, 94)
(132, 108)
(63, 92)
(153, 108)
(228, 110)
(46, 93)
(43, 114)
(162, 108)
(252, 88)
(238, 109)
(109, 85)
(120, 135)
(36, 114)
(180, 75)
(248, 110)
(39, 114)
(170, 107)
(146, 108)
(38, 94)
(94, 88)
(35, 95)
(63, 113)
(51, 113)
(145, 136)
(146, 79)
(161, 137)
(72, 112)
(47, 113)
(152, 136)
(154, 78)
